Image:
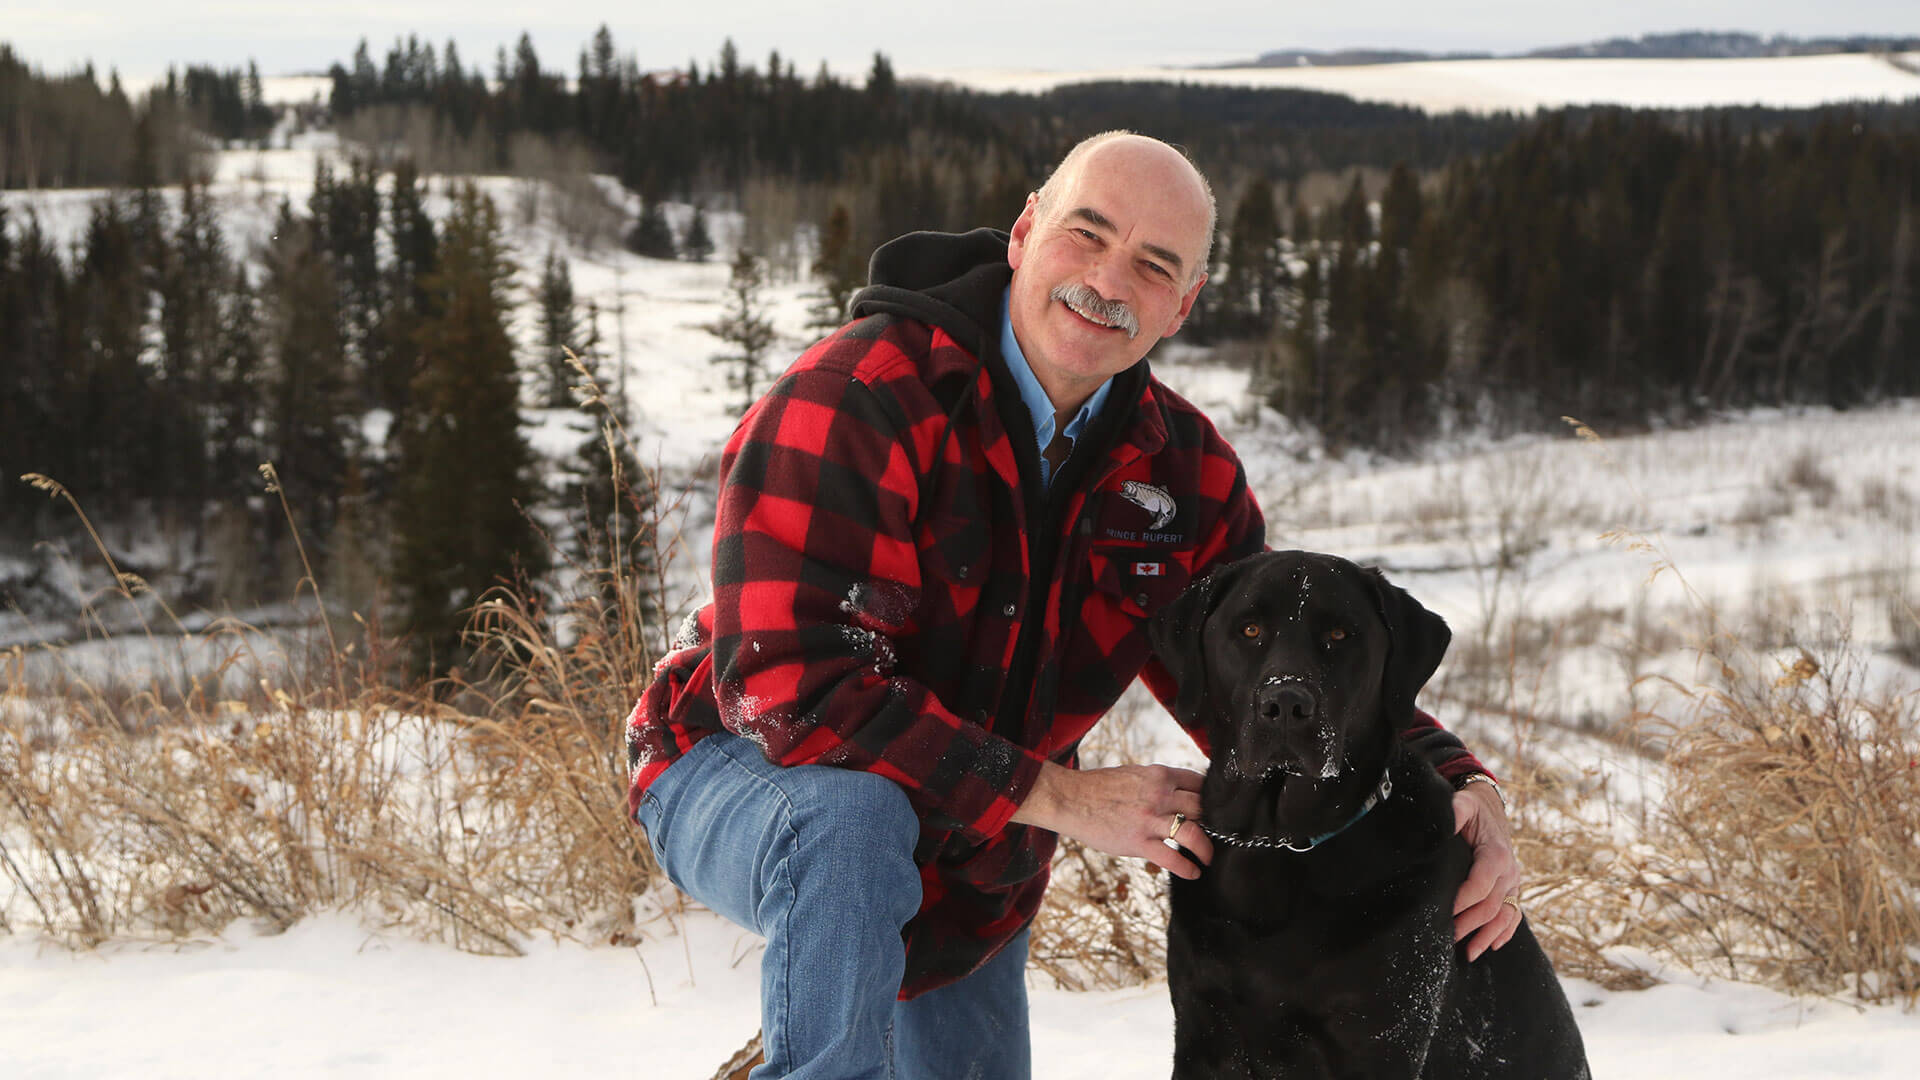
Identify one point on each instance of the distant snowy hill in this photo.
(1523, 85)
(1684, 45)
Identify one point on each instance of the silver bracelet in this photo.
(1483, 778)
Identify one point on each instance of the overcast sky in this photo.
(141, 37)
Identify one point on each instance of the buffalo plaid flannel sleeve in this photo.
(816, 579)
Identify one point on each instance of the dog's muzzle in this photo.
(1292, 734)
(1281, 703)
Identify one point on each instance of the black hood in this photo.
(955, 281)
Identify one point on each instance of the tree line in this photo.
(1617, 265)
(364, 350)
(68, 131)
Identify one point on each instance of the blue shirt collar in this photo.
(1033, 395)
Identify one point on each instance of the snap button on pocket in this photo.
(1008, 611)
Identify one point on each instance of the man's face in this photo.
(1121, 239)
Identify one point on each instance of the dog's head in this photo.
(1287, 658)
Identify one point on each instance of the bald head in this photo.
(1143, 155)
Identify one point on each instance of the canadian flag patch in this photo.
(1146, 569)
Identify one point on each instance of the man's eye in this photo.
(1158, 270)
(1251, 630)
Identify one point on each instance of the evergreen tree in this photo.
(698, 243)
(233, 378)
(107, 392)
(746, 327)
(39, 388)
(1254, 268)
(465, 466)
(346, 220)
(415, 250)
(193, 275)
(306, 417)
(838, 269)
(651, 236)
(1400, 209)
(559, 331)
(1356, 221)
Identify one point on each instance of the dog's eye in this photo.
(1336, 634)
(1251, 630)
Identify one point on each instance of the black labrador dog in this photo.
(1319, 943)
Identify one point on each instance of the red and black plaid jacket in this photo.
(894, 591)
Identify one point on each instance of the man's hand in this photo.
(1481, 908)
(1124, 810)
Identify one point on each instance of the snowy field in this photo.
(333, 999)
(1807, 517)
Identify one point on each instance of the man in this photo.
(939, 536)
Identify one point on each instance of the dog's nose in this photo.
(1285, 702)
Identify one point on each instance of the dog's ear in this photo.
(1175, 636)
(1419, 639)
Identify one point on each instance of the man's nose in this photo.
(1105, 276)
(1286, 702)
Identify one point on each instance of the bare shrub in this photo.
(1103, 923)
(1760, 508)
(1438, 514)
(1787, 851)
(1885, 499)
(1903, 623)
(392, 132)
(558, 182)
(1778, 848)
(1806, 471)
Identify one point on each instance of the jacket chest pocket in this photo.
(1140, 581)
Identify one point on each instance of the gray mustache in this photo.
(1112, 312)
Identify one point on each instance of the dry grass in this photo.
(477, 811)
(1778, 849)
(1775, 843)
(1103, 923)
(1787, 838)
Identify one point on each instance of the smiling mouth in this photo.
(1092, 308)
(1089, 316)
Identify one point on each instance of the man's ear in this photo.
(1186, 307)
(1175, 636)
(1419, 639)
(1022, 228)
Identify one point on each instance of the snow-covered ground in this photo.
(331, 998)
(1522, 85)
(1808, 512)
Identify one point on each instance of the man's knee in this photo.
(847, 803)
(863, 823)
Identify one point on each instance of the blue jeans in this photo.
(819, 862)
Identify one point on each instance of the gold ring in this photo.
(1173, 834)
(1514, 900)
